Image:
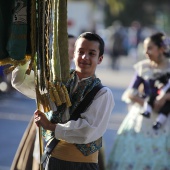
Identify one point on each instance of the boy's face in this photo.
(86, 57)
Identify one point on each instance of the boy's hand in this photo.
(41, 120)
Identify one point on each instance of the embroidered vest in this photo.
(84, 87)
(90, 148)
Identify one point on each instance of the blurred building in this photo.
(83, 16)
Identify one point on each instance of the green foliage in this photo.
(115, 6)
(145, 11)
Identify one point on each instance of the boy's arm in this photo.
(93, 122)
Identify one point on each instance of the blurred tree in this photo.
(145, 11)
(115, 6)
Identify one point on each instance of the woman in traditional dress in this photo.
(138, 146)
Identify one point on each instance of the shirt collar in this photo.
(78, 79)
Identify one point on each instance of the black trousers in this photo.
(56, 164)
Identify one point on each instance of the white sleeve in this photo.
(22, 82)
(93, 123)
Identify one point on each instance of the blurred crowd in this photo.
(125, 41)
(119, 41)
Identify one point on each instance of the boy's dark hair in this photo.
(94, 37)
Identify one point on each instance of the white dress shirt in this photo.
(93, 122)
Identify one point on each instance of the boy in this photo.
(80, 137)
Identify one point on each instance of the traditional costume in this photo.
(163, 84)
(80, 140)
(137, 145)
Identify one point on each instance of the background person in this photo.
(138, 146)
(71, 43)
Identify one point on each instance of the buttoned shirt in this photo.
(93, 122)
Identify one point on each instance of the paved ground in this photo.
(116, 78)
